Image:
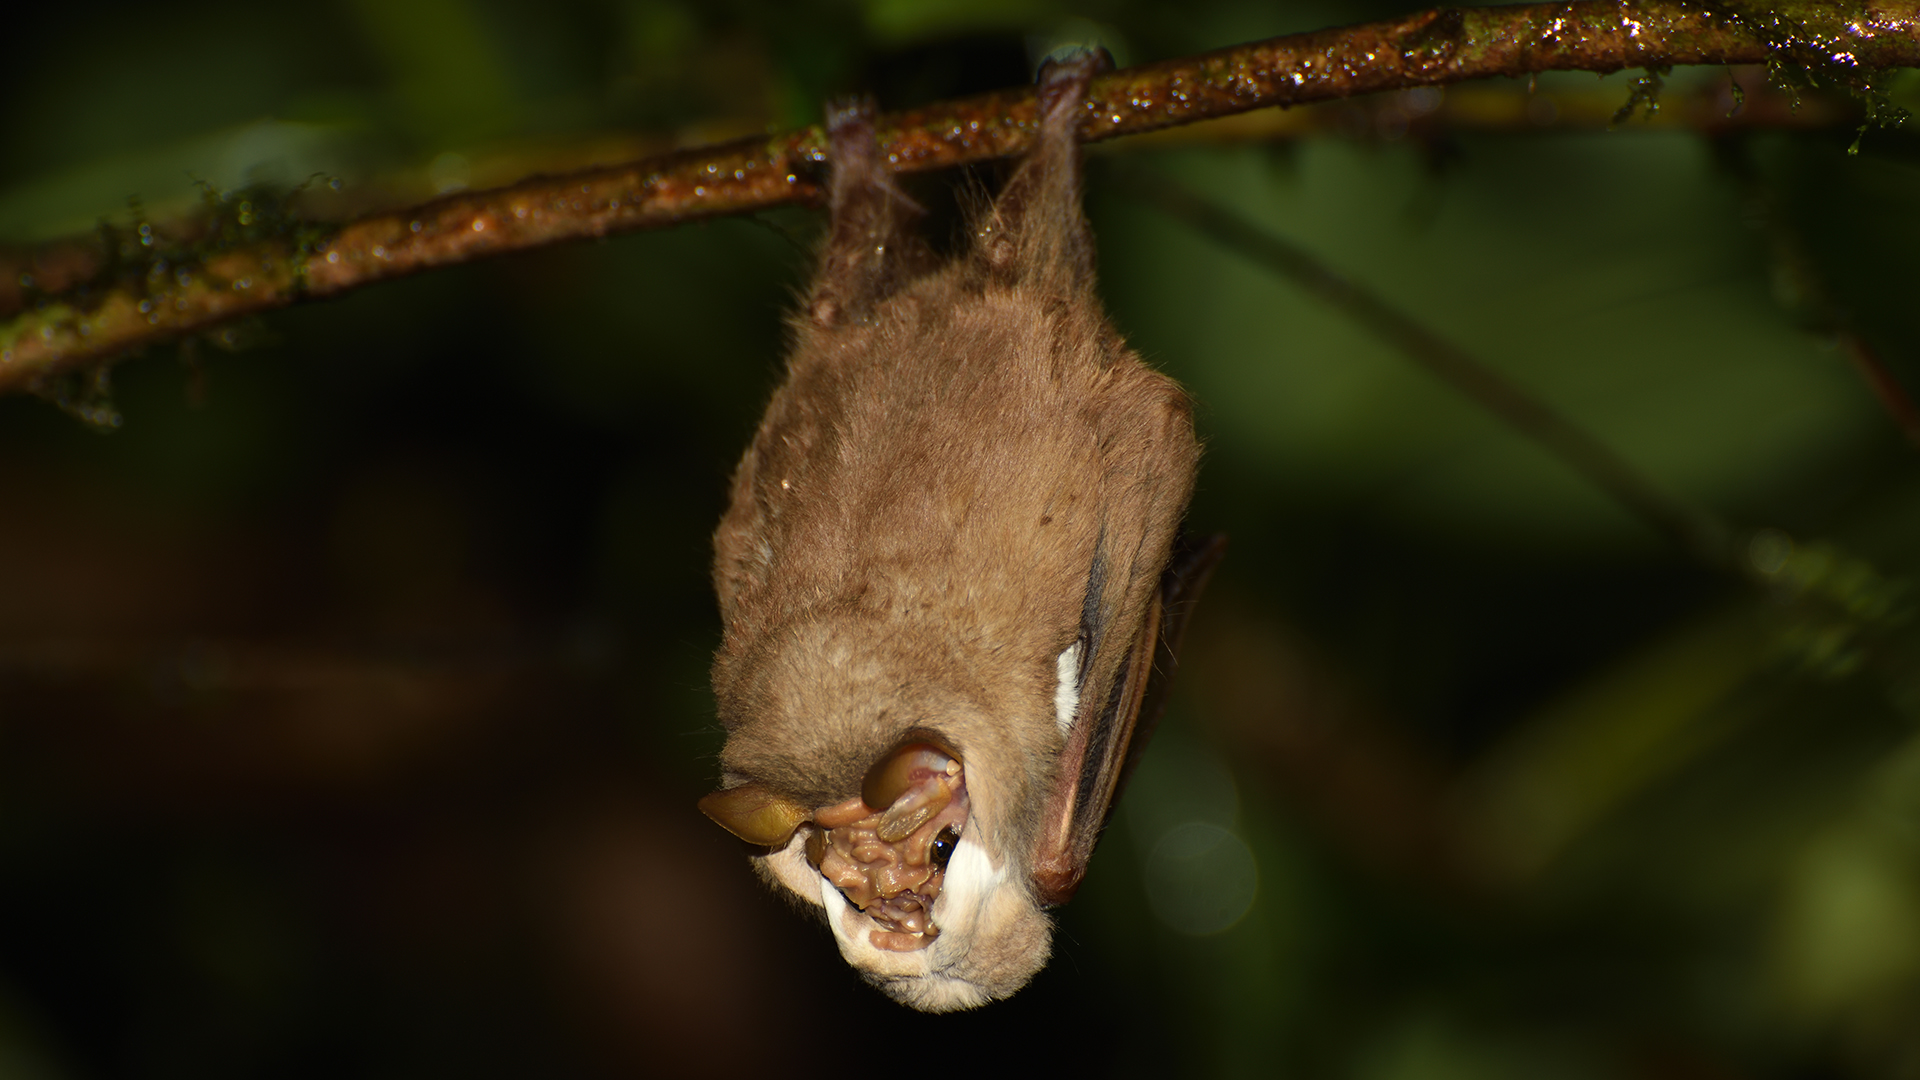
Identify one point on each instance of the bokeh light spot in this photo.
(1201, 879)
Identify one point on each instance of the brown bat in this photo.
(947, 576)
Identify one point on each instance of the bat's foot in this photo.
(1065, 73)
(1073, 62)
(850, 136)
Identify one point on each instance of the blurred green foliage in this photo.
(352, 693)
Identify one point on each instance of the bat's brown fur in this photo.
(912, 530)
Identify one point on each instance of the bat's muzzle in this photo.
(887, 850)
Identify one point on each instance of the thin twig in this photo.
(1885, 387)
(1802, 290)
(158, 302)
(1697, 531)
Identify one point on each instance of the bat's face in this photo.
(924, 871)
(945, 577)
(916, 899)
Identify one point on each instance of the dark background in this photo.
(352, 691)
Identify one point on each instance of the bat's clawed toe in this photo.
(1063, 76)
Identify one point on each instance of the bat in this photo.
(949, 575)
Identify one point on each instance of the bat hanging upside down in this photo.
(949, 576)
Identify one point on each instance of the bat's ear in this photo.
(1108, 735)
(755, 814)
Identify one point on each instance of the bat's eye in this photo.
(943, 846)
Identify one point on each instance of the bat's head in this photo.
(924, 875)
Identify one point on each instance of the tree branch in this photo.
(154, 300)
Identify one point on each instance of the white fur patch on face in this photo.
(1066, 696)
(970, 882)
(789, 867)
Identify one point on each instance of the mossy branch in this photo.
(1824, 40)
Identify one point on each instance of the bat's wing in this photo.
(1110, 732)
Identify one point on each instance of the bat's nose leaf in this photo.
(913, 811)
(755, 814)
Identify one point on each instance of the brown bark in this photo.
(1835, 42)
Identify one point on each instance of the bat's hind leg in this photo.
(870, 251)
(1035, 232)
